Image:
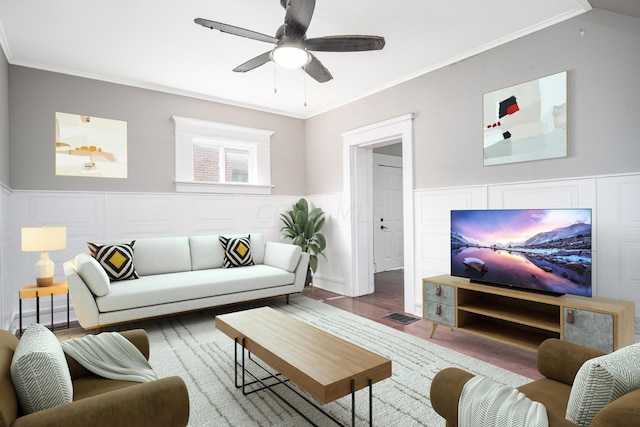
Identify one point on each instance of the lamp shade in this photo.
(44, 238)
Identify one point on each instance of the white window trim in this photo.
(186, 129)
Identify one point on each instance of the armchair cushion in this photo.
(39, 371)
(602, 380)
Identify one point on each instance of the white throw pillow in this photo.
(602, 380)
(93, 275)
(39, 371)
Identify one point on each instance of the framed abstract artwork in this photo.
(526, 122)
(90, 146)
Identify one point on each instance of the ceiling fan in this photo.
(292, 45)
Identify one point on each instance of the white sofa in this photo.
(179, 274)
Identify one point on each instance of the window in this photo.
(221, 158)
(220, 162)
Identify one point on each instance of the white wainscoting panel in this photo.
(143, 215)
(6, 295)
(97, 216)
(334, 272)
(575, 193)
(618, 231)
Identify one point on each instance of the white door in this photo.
(388, 227)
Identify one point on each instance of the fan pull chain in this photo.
(305, 84)
(275, 79)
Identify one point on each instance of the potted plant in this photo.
(303, 228)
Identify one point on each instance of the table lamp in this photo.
(44, 239)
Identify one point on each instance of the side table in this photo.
(33, 291)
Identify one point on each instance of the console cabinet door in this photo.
(588, 328)
(439, 303)
(439, 313)
(443, 294)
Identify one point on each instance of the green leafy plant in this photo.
(303, 228)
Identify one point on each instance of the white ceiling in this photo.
(155, 43)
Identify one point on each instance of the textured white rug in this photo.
(191, 347)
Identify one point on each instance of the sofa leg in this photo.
(286, 297)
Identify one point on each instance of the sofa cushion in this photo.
(172, 287)
(39, 371)
(117, 260)
(159, 255)
(237, 251)
(93, 274)
(206, 252)
(602, 380)
(282, 255)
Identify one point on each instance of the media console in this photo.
(525, 319)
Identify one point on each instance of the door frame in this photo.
(358, 147)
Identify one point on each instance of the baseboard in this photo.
(331, 284)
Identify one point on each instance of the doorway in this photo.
(358, 147)
(388, 224)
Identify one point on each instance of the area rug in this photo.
(191, 347)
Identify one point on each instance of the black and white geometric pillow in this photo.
(117, 260)
(237, 251)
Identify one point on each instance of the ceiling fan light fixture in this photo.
(290, 56)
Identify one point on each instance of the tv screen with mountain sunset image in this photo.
(542, 250)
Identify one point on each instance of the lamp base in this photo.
(44, 281)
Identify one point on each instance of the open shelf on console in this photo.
(509, 332)
(530, 313)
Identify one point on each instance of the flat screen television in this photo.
(539, 250)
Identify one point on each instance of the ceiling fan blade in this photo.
(316, 70)
(237, 31)
(298, 16)
(253, 63)
(353, 43)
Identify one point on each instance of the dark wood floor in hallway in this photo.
(389, 297)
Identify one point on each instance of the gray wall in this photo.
(4, 119)
(36, 95)
(603, 103)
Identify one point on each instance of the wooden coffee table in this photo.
(324, 366)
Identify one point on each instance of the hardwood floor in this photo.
(389, 297)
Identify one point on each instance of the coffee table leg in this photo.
(353, 403)
(370, 403)
(243, 368)
(235, 364)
